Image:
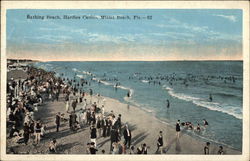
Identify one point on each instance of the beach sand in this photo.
(145, 129)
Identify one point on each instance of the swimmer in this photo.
(168, 104)
(210, 98)
(128, 94)
(205, 122)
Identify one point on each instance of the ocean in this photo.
(187, 85)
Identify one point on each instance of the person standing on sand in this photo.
(178, 129)
(67, 106)
(113, 137)
(58, 121)
(38, 131)
(160, 142)
(74, 104)
(98, 126)
(26, 133)
(93, 134)
(127, 135)
(206, 148)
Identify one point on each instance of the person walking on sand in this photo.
(58, 121)
(178, 129)
(127, 136)
(160, 142)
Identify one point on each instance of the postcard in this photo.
(125, 80)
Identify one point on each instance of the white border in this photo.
(244, 5)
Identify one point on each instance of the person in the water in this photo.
(210, 98)
(168, 104)
(205, 123)
(128, 94)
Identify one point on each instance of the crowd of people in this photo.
(24, 96)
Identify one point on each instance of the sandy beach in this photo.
(145, 129)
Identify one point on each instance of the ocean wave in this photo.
(230, 110)
(88, 73)
(131, 91)
(74, 69)
(144, 81)
(80, 76)
(103, 82)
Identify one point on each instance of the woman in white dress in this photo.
(67, 106)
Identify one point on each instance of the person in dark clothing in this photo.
(109, 125)
(220, 151)
(144, 149)
(140, 149)
(168, 104)
(178, 129)
(58, 120)
(32, 128)
(93, 134)
(113, 137)
(13, 131)
(74, 104)
(160, 142)
(92, 148)
(88, 115)
(119, 123)
(70, 120)
(104, 127)
(26, 133)
(206, 148)
(98, 126)
(73, 121)
(127, 136)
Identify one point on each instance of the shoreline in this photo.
(153, 114)
(121, 108)
(146, 128)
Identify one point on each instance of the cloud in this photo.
(51, 38)
(198, 33)
(228, 17)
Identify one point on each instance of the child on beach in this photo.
(38, 131)
(220, 151)
(206, 148)
(52, 146)
(178, 129)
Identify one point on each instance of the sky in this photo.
(167, 34)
